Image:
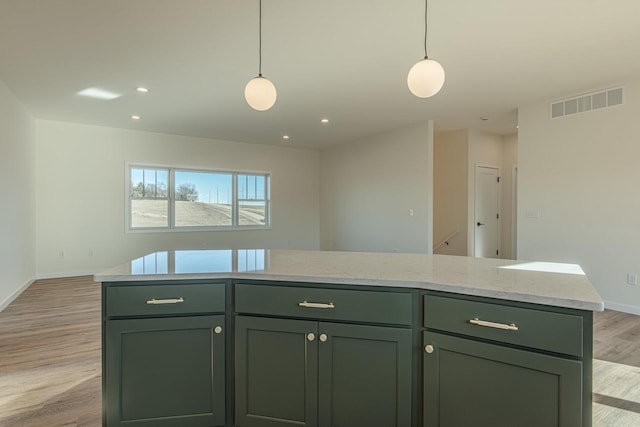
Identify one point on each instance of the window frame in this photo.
(171, 214)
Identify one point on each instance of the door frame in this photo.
(514, 212)
(471, 231)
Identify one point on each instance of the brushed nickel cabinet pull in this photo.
(165, 301)
(306, 304)
(476, 321)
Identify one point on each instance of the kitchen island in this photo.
(278, 338)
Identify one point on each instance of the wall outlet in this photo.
(632, 279)
(61, 254)
(92, 252)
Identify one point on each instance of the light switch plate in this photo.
(533, 213)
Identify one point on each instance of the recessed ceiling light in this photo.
(324, 121)
(96, 92)
(484, 118)
(134, 117)
(142, 89)
(285, 136)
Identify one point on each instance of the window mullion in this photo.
(171, 198)
(267, 213)
(144, 183)
(234, 204)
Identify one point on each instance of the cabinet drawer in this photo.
(143, 300)
(318, 303)
(544, 330)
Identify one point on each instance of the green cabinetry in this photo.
(488, 364)
(167, 370)
(320, 373)
(276, 372)
(364, 376)
(254, 353)
(471, 383)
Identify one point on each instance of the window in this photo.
(149, 195)
(203, 199)
(170, 198)
(252, 206)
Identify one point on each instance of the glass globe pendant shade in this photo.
(260, 93)
(425, 78)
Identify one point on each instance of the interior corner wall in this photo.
(450, 181)
(369, 188)
(485, 149)
(581, 174)
(17, 216)
(509, 217)
(81, 194)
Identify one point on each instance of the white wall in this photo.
(368, 187)
(17, 192)
(583, 173)
(81, 194)
(509, 160)
(450, 181)
(485, 148)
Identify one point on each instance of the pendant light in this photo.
(426, 77)
(260, 93)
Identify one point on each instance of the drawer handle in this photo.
(306, 304)
(165, 301)
(504, 326)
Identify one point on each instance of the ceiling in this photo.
(346, 60)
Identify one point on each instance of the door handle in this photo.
(510, 327)
(154, 301)
(479, 224)
(306, 304)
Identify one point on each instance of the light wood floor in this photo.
(50, 373)
(616, 370)
(50, 359)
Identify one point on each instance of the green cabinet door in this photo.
(306, 373)
(471, 383)
(276, 372)
(365, 376)
(165, 372)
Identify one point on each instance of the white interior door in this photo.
(487, 212)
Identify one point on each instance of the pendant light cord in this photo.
(425, 28)
(260, 41)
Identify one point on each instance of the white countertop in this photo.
(561, 285)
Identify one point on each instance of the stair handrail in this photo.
(445, 241)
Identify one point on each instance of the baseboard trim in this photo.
(630, 309)
(4, 304)
(63, 274)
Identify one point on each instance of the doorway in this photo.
(514, 212)
(487, 212)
